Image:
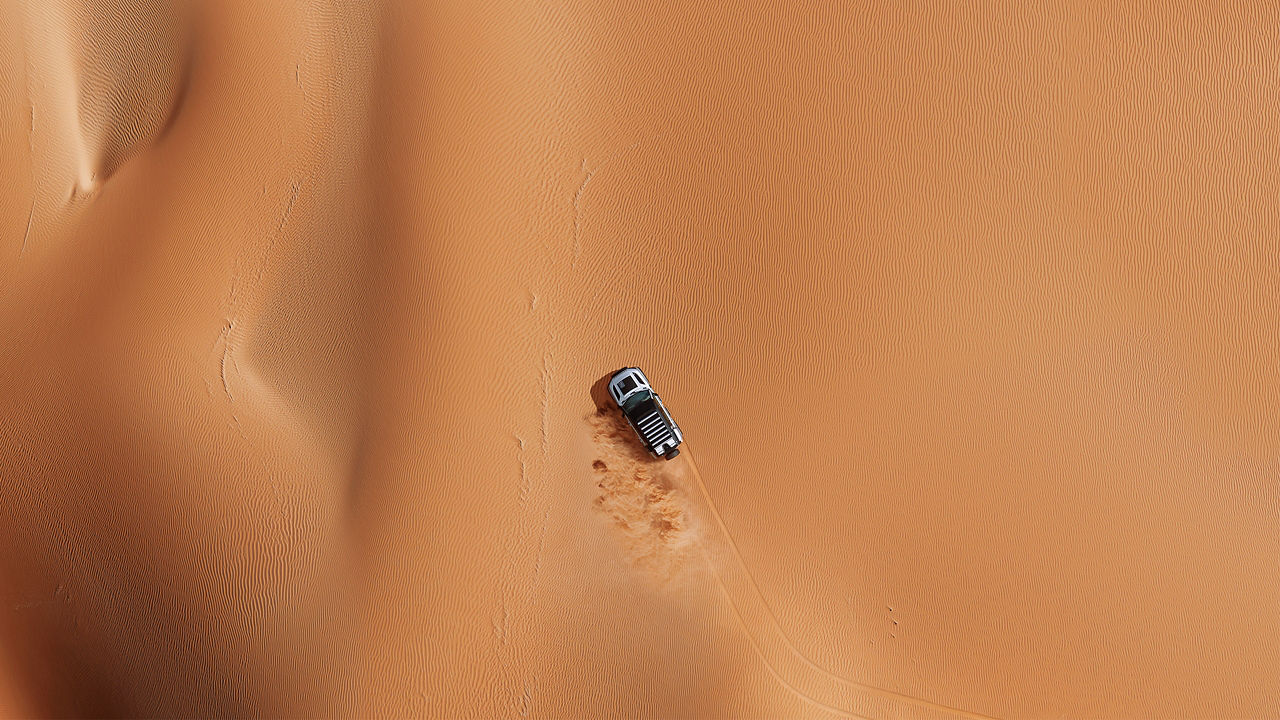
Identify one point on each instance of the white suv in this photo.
(645, 411)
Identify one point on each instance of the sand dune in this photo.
(967, 313)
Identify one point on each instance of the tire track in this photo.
(791, 667)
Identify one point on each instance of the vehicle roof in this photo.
(637, 378)
(627, 372)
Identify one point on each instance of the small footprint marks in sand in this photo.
(640, 495)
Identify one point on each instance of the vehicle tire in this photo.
(672, 455)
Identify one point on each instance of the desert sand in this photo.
(968, 314)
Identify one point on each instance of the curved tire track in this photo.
(791, 667)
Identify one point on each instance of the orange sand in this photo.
(968, 315)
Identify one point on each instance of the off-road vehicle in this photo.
(645, 411)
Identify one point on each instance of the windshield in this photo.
(636, 399)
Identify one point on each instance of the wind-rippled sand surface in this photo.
(968, 314)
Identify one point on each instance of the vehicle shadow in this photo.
(600, 393)
(608, 415)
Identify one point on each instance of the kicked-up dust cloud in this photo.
(640, 494)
